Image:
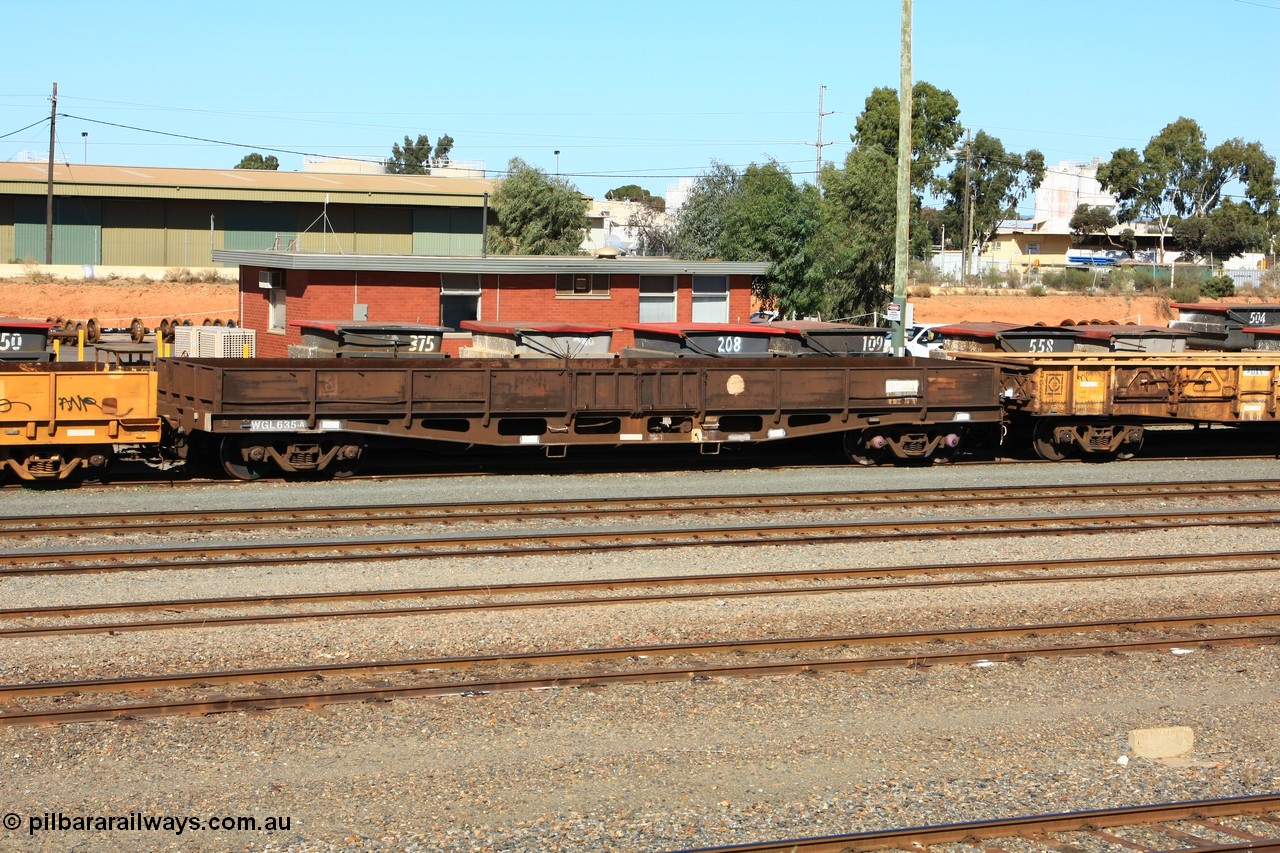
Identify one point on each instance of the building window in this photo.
(657, 299)
(459, 299)
(582, 284)
(276, 300)
(1033, 248)
(271, 282)
(710, 299)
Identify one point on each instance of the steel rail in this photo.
(189, 520)
(71, 611)
(559, 656)
(210, 555)
(1036, 828)
(319, 698)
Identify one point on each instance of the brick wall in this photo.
(415, 298)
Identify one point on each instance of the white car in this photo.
(919, 340)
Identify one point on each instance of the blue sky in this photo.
(627, 92)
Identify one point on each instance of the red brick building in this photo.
(280, 290)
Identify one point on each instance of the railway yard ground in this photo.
(650, 748)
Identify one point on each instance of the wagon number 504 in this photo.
(422, 343)
(10, 341)
(729, 344)
(1257, 318)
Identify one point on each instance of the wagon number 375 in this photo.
(422, 343)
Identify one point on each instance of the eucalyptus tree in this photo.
(537, 214)
(1180, 183)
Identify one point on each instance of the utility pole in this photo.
(48, 201)
(965, 215)
(901, 243)
(817, 175)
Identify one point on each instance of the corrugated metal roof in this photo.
(493, 264)
(240, 184)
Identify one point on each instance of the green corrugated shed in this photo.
(7, 252)
(132, 228)
(452, 231)
(140, 216)
(77, 230)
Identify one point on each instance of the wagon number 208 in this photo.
(729, 344)
(10, 341)
(422, 343)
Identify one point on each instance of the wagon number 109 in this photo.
(422, 343)
(729, 344)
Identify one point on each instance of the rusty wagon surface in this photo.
(309, 415)
(1099, 403)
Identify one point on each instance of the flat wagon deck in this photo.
(311, 415)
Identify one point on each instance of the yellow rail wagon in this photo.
(1099, 404)
(56, 419)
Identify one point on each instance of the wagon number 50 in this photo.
(422, 343)
(10, 341)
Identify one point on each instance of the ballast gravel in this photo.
(647, 767)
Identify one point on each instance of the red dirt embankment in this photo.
(1051, 310)
(116, 303)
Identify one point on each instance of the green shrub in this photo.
(1218, 286)
(1186, 291)
(1077, 281)
(1145, 281)
(1036, 290)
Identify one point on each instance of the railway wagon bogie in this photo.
(1055, 439)
(280, 417)
(249, 457)
(64, 420)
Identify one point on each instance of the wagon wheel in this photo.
(1130, 448)
(93, 330)
(231, 324)
(206, 322)
(231, 455)
(1045, 445)
(347, 461)
(137, 331)
(858, 449)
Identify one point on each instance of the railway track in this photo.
(400, 547)
(17, 527)
(779, 653)
(508, 596)
(1205, 826)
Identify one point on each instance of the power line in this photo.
(28, 127)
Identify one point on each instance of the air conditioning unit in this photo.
(185, 342)
(221, 342)
(270, 280)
